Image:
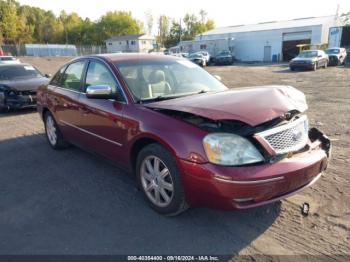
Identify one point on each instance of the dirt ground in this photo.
(278, 229)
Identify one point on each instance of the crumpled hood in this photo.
(253, 106)
(25, 84)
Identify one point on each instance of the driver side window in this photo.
(98, 74)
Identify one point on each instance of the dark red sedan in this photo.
(189, 139)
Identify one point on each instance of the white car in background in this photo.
(337, 55)
(9, 60)
(205, 54)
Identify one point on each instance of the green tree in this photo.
(117, 23)
(9, 20)
(191, 27)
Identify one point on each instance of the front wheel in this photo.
(53, 134)
(160, 180)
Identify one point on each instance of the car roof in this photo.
(120, 57)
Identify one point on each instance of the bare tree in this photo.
(345, 18)
(203, 15)
(149, 22)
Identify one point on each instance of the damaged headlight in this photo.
(230, 150)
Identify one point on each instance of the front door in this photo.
(102, 119)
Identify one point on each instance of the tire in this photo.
(53, 134)
(170, 199)
(291, 68)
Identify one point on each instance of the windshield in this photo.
(308, 54)
(332, 51)
(195, 56)
(149, 80)
(7, 58)
(18, 72)
(225, 53)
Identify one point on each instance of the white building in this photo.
(276, 40)
(130, 43)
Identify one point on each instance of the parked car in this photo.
(309, 59)
(198, 59)
(336, 55)
(347, 59)
(180, 54)
(18, 86)
(206, 56)
(224, 58)
(189, 140)
(9, 60)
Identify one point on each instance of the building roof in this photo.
(131, 37)
(273, 25)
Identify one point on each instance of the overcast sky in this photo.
(225, 13)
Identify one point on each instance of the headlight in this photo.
(229, 149)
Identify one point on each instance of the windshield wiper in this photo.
(166, 97)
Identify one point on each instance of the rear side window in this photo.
(71, 78)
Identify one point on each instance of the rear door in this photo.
(102, 119)
(66, 99)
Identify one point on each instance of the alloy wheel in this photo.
(51, 131)
(156, 181)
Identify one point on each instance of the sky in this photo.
(224, 13)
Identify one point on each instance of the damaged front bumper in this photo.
(17, 100)
(251, 186)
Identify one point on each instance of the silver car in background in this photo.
(337, 55)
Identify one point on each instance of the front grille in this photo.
(333, 59)
(287, 138)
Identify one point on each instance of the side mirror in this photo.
(48, 75)
(218, 77)
(99, 91)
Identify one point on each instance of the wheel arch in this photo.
(141, 143)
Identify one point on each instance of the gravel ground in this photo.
(72, 202)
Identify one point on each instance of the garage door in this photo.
(297, 36)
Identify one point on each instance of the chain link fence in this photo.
(52, 50)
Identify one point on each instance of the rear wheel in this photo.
(160, 180)
(53, 134)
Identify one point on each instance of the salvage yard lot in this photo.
(72, 202)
